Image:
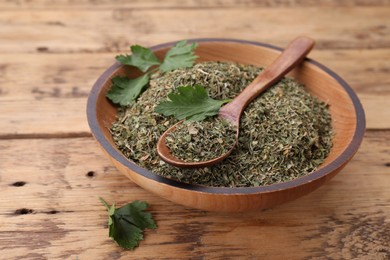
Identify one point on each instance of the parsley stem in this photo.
(104, 203)
(150, 72)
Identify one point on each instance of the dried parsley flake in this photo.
(202, 140)
(285, 133)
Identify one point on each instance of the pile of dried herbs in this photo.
(201, 140)
(284, 134)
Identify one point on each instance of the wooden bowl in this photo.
(347, 118)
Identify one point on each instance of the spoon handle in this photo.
(290, 57)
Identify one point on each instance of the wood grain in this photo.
(57, 208)
(102, 30)
(51, 52)
(156, 4)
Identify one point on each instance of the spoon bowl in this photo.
(165, 153)
(293, 55)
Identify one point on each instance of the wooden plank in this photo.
(155, 4)
(105, 30)
(45, 94)
(49, 208)
(48, 95)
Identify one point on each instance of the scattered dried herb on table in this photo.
(284, 134)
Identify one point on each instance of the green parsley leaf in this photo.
(124, 90)
(141, 57)
(126, 224)
(190, 103)
(180, 56)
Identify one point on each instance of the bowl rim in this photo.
(332, 166)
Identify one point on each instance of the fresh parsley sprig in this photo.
(141, 57)
(191, 103)
(124, 91)
(126, 224)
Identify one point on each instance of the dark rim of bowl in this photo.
(332, 166)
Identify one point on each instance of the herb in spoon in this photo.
(293, 55)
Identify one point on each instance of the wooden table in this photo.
(52, 171)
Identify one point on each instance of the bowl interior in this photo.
(316, 80)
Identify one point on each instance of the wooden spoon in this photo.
(293, 55)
